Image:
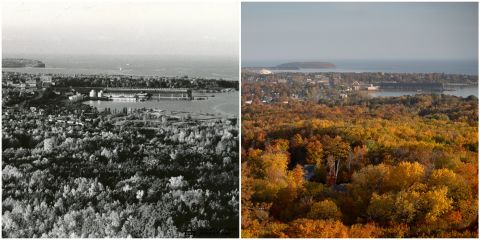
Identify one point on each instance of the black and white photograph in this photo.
(120, 119)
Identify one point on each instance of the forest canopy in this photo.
(382, 167)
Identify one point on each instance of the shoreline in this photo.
(207, 107)
(108, 72)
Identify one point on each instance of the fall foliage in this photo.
(382, 167)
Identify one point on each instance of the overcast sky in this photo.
(121, 27)
(329, 31)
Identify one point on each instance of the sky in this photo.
(121, 27)
(359, 31)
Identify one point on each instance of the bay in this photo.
(137, 65)
(221, 105)
(459, 92)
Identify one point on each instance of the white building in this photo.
(265, 72)
(46, 80)
(372, 88)
(75, 98)
(31, 83)
(356, 86)
(100, 94)
(93, 93)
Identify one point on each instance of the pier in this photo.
(155, 93)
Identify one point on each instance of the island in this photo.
(21, 63)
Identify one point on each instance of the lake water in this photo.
(215, 67)
(222, 105)
(459, 92)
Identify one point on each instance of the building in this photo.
(46, 80)
(173, 93)
(372, 88)
(356, 86)
(31, 83)
(142, 96)
(265, 72)
(100, 94)
(93, 93)
(76, 98)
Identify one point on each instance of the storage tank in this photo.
(93, 93)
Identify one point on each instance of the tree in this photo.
(405, 175)
(314, 153)
(275, 166)
(437, 203)
(336, 151)
(247, 192)
(369, 230)
(286, 205)
(275, 230)
(297, 148)
(326, 209)
(381, 208)
(369, 180)
(333, 168)
(278, 145)
(414, 205)
(296, 179)
(335, 147)
(358, 158)
(308, 228)
(457, 187)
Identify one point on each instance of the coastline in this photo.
(126, 72)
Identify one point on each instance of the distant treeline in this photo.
(128, 81)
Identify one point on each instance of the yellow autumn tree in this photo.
(314, 152)
(309, 228)
(405, 175)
